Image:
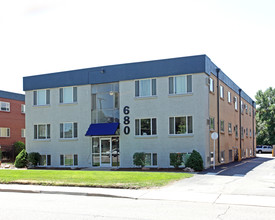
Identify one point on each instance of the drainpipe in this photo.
(253, 118)
(218, 111)
(240, 122)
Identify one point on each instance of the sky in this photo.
(46, 36)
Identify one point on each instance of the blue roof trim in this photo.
(115, 73)
(12, 95)
(102, 129)
(130, 71)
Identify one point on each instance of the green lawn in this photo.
(119, 179)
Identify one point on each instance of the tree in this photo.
(265, 117)
(19, 146)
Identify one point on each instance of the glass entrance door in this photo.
(105, 152)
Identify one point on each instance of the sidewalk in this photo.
(164, 193)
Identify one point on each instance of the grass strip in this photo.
(110, 179)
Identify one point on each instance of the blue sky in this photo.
(47, 36)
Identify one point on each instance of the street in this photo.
(243, 191)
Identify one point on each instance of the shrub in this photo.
(19, 146)
(34, 158)
(21, 159)
(139, 159)
(195, 161)
(176, 159)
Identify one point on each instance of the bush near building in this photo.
(21, 159)
(195, 161)
(176, 159)
(139, 159)
(34, 158)
(18, 146)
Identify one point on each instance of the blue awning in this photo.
(102, 129)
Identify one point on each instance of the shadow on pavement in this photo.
(236, 168)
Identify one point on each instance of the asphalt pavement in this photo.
(251, 182)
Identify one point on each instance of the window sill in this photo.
(212, 130)
(180, 95)
(221, 132)
(66, 104)
(41, 106)
(180, 135)
(145, 97)
(41, 140)
(212, 92)
(146, 136)
(5, 111)
(222, 98)
(229, 133)
(68, 139)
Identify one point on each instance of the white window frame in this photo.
(172, 91)
(242, 107)
(138, 120)
(229, 97)
(229, 128)
(222, 126)
(47, 137)
(187, 126)
(221, 92)
(23, 108)
(7, 131)
(23, 132)
(151, 159)
(73, 98)
(212, 128)
(151, 88)
(236, 103)
(46, 98)
(211, 85)
(73, 160)
(5, 105)
(45, 165)
(74, 135)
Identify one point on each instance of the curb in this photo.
(66, 193)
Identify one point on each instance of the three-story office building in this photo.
(101, 116)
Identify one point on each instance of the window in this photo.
(145, 88)
(151, 159)
(41, 97)
(229, 128)
(250, 133)
(68, 95)
(249, 111)
(246, 109)
(236, 103)
(211, 85)
(105, 103)
(68, 130)
(222, 156)
(246, 132)
(23, 109)
(221, 92)
(229, 97)
(212, 124)
(146, 126)
(4, 132)
(242, 131)
(23, 133)
(69, 160)
(5, 106)
(236, 131)
(45, 160)
(242, 107)
(222, 126)
(42, 131)
(181, 125)
(180, 84)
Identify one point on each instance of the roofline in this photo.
(130, 71)
(12, 95)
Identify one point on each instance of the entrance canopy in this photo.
(102, 129)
